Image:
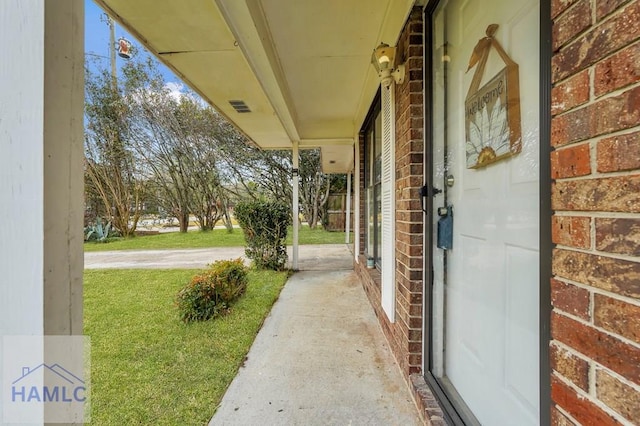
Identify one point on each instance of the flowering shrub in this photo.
(212, 292)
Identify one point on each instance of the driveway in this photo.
(310, 257)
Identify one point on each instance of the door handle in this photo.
(424, 193)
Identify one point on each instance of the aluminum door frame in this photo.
(448, 403)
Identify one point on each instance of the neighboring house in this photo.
(514, 298)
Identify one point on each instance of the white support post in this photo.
(296, 183)
(348, 218)
(41, 168)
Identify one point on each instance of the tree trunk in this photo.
(314, 218)
(227, 220)
(183, 219)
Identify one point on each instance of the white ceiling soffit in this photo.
(301, 67)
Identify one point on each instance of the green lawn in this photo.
(147, 367)
(215, 238)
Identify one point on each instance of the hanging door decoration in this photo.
(492, 112)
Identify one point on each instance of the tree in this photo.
(177, 138)
(314, 186)
(141, 137)
(158, 140)
(251, 172)
(266, 174)
(209, 200)
(113, 171)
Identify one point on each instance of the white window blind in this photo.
(388, 202)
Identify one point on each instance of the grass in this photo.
(215, 238)
(147, 367)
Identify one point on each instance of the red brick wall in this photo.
(405, 334)
(595, 166)
(409, 156)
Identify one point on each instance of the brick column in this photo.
(595, 164)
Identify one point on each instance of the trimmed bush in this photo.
(264, 224)
(212, 292)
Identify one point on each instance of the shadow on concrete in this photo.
(320, 358)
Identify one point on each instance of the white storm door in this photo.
(485, 344)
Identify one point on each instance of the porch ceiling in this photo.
(302, 67)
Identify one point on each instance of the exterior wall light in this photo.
(383, 59)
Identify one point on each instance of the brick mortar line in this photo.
(591, 376)
(566, 11)
(593, 399)
(595, 214)
(594, 252)
(599, 175)
(399, 262)
(593, 99)
(612, 14)
(596, 139)
(404, 222)
(570, 350)
(618, 377)
(593, 243)
(593, 157)
(595, 24)
(618, 91)
(567, 415)
(591, 73)
(407, 282)
(408, 278)
(592, 305)
(407, 340)
(595, 290)
(595, 327)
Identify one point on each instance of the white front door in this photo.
(485, 326)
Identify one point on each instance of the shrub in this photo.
(212, 292)
(264, 224)
(100, 233)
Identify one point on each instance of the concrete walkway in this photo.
(320, 357)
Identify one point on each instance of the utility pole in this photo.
(112, 45)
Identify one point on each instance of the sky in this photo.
(96, 36)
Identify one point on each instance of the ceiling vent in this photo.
(240, 106)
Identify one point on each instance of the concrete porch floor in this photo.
(319, 359)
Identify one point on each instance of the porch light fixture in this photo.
(383, 59)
